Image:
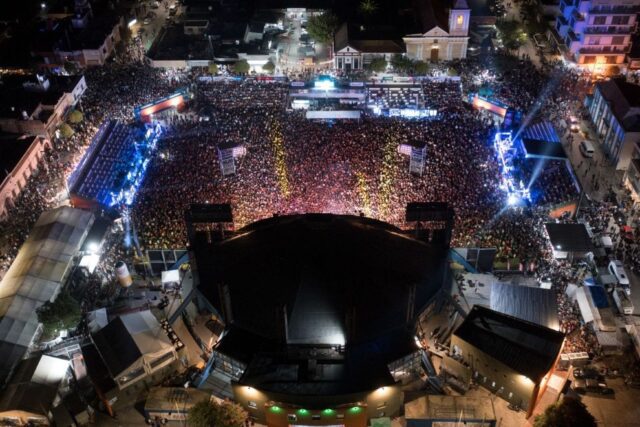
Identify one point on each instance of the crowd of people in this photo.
(288, 164)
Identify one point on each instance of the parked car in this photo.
(589, 385)
(586, 148)
(617, 269)
(633, 382)
(587, 372)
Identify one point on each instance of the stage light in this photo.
(93, 247)
(512, 200)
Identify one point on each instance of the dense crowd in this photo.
(289, 164)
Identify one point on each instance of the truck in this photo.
(623, 302)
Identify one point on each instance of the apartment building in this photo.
(597, 33)
(615, 113)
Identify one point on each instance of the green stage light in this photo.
(329, 412)
(275, 409)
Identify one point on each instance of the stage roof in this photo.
(569, 237)
(36, 275)
(319, 280)
(540, 140)
(535, 305)
(525, 347)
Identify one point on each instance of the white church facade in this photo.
(444, 34)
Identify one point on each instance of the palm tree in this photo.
(368, 6)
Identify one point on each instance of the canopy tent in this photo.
(133, 341)
(36, 276)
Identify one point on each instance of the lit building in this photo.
(444, 31)
(320, 314)
(19, 158)
(615, 113)
(355, 47)
(597, 34)
(36, 104)
(509, 356)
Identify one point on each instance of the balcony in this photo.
(614, 10)
(577, 16)
(609, 29)
(604, 50)
(572, 37)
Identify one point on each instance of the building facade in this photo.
(597, 33)
(37, 105)
(440, 39)
(16, 179)
(511, 357)
(615, 113)
(354, 48)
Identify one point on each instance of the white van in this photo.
(586, 148)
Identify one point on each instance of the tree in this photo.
(213, 68)
(368, 7)
(569, 412)
(71, 67)
(75, 117)
(269, 67)
(321, 27)
(378, 65)
(65, 131)
(400, 63)
(211, 413)
(63, 313)
(511, 33)
(241, 67)
(421, 68)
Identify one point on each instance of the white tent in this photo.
(36, 276)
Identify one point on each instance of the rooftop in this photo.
(450, 408)
(525, 347)
(12, 148)
(569, 237)
(624, 99)
(325, 281)
(375, 39)
(535, 305)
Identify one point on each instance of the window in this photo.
(589, 59)
(611, 59)
(594, 40)
(292, 418)
(459, 20)
(315, 417)
(599, 20)
(617, 40)
(620, 20)
(251, 404)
